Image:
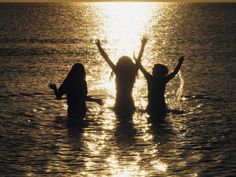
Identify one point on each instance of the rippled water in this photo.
(40, 42)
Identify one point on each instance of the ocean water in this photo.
(40, 42)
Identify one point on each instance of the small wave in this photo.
(27, 94)
(40, 51)
(177, 111)
(203, 97)
(24, 114)
(25, 52)
(41, 40)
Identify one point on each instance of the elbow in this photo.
(58, 97)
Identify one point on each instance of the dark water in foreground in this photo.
(40, 42)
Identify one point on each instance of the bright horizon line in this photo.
(162, 1)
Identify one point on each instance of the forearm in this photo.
(177, 68)
(107, 59)
(103, 53)
(141, 53)
(143, 43)
(58, 96)
(143, 70)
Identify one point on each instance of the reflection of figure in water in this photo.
(75, 88)
(125, 131)
(156, 86)
(125, 71)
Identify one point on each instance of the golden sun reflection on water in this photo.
(124, 24)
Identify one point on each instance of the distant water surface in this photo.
(40, 43)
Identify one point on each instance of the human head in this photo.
(126, 65)
(159, 70)
(77, 72)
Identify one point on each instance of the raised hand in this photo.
(176, 70)
(181, 59)
(97, 41)
(144, 40)
(104, 54)
(52, 86)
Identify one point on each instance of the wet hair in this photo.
(125, 64)
(77, 72)
(160, 70)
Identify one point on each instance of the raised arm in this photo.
(53, 86)
(144, 41)
(58, 92)
(105, 56)
(146, 74)
(176, 70)
(140, 66)
(138, 60)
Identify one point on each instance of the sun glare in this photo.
(124, 25)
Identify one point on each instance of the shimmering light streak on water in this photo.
(124, 26)
(181, 87)
(40, 42)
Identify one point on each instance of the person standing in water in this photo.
(125, 71)
(157, 82)
(75, 88)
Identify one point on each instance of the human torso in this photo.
(156, 92)
(124, 88)
(76, 92)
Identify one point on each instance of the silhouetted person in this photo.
(75, 88)
(156, 86)
(125, 71)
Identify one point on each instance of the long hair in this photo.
(126, 66)
(77, 72)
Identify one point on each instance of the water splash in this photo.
(176, 102)
(181, 88)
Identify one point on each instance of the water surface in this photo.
(40, 42)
